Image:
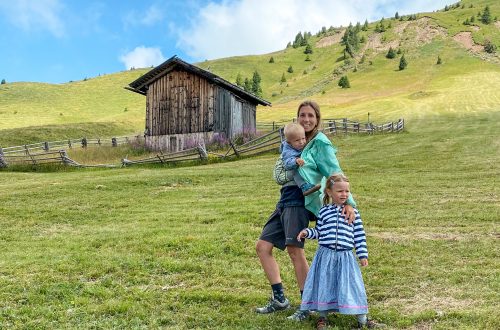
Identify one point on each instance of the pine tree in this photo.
(247, 85)
(308, 49)
(3, 82)
(344, 82)
(283, 78)
(396, 16)
(403, 63)
(298, 40)
(391, 53)
(365, 26)
(486, 16)
(271, 60)
(439, 60)
(307, 58)
(256, 89)
(239, 80)
(290, 69)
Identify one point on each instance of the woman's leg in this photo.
(265, 252)
(300, 265)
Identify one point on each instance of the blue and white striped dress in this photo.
(334, 282)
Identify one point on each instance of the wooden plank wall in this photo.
(183, 103)
(179, 103)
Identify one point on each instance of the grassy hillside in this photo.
(100, 106)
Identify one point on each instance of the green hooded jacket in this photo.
(320, 163)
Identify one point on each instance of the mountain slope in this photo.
(377, 86)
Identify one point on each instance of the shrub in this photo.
(489, 47)
(344, 82)
(403, 63)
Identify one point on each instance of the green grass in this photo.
(121, 248)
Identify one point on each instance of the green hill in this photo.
(465, 82)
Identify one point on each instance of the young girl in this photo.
(334, 282)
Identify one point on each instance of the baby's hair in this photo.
(330, 182)
(292, 129)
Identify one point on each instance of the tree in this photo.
(239, 80)
(256, 89)
(308, 49)
(344, 82)
(3, 82)
(365, 26)
(283, 78)
(271, 60)
(307, 58)
(439, 60)
(290, 69)
(391, 53)
(396, 16)
(247, 85)
(299, 39)
(486, 16)
(403, 63)
(489, 47)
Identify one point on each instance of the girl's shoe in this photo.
(371, 324)
(321, 323)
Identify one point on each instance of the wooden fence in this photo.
(40, 153)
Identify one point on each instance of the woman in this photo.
(294, 211)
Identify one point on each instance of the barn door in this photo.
(236, 117)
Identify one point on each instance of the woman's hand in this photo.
(363, 262)
(301, 235)
(348, 213)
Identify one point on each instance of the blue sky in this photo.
(56, 41)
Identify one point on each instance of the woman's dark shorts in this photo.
(285, 224)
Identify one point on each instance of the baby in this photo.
(291, 148)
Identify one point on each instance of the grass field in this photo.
(122, 249)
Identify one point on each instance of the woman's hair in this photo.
(315, 107)
(330, 182)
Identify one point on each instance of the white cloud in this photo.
(243, 27)
(142, 57)
(35, 15)
(150, 17)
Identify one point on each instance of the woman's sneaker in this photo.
(299, 315)
(273, 305)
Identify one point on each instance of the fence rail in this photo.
(40, 153)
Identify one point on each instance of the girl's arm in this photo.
(360, 238)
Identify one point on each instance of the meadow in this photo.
(161, 247)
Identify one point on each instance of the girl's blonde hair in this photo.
(330, 182)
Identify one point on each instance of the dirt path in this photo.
(330, 40)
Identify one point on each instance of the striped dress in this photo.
(334, 282)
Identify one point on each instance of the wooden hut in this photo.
(186, 105)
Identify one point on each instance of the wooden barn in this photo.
(186, 105)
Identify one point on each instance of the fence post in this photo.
(69, 144)
(234, 148)
(273, 126)
(344, 124)
(46, 146)
(84, 143)
(203, 153)
(392, 126)
(3, 162)
(113, 142)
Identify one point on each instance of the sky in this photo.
(57, 41)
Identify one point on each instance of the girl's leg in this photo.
(300, 265)
(362, 319)
(265, 252)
